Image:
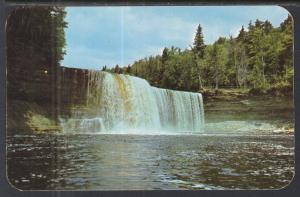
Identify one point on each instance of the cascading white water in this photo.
(125, 103)
(83, 125)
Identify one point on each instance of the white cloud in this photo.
(100, 36)
(164, 28)
(80, 56)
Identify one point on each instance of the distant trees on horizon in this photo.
(259, 57)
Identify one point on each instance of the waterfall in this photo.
(122, 103)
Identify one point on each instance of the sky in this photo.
(98, 36)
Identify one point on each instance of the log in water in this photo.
(116, 102)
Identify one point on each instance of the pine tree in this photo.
(258, 23)
(198, 50)
(128, 69)
(250, 26)
(164, 55)
(199, 45)
(261, 56)
(286, 49)
(242, 34)
(286, 23)
(117, 69)
(35, 45)
(267, 26)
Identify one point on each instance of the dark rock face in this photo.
(44, 94)
(72, 85)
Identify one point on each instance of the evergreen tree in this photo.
(259, 57)
(286, 23)
(117, 69)
(286, 50)
(258, 24)
(198, 50)
(250, 26)
(242, 34)
(164, 56)
(198, 45)
(35, 46)
(128, 69)
(267, 27)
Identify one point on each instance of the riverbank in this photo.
(246, 93)
(242, 107)
(33, 116)
(25, 117)
(227, 106)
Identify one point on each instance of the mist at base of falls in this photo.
(122, 104)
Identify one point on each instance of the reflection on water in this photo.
(106, 162)
(242, 147)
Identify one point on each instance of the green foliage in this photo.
(260, 58)
(36, 33)
(198, 45)
(281, 88)
(104, 68)
(35, 46)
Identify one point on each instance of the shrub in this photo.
(281, 89)
(257, 91)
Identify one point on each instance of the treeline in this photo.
(35, 46)
(260, 57)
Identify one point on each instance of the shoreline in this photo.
(220, 105)
(232, 94)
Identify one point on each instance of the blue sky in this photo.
(98, 36)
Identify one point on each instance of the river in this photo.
(245, 149)
(109, 162)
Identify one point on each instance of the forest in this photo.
(35, 46)
(259, 59)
